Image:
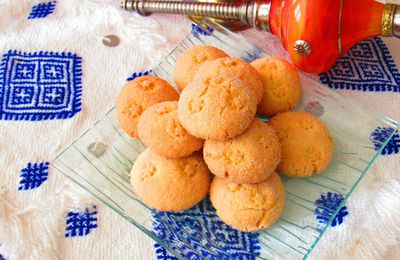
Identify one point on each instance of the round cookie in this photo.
(236, 68)
(307, 146)
(282, 85)
(248, 207)
(248, 158)
(161, 131)
(139, 94)
(217, 108)
(170, 184)
(189, 62)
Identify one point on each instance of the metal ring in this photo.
(387, 19)
(280, 18)
(340, 28)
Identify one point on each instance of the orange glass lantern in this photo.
(314, 32)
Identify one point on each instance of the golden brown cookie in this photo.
(139, 94)
(282, 85)
(170, 184)
(248, 158)
(248, 207)
(307, 146)
(236, 68)
(218, 108)
(160, 130)
(189, 62)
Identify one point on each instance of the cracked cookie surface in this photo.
(217, 108)
(189, 62)
(248, 158)
(235, 68)
(139, 94)
(248, 207)
(307, 145)
(160, 130)
(281, 85)
(170, 184)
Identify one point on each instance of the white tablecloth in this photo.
(56, 46)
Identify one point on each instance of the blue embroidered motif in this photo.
(368, 66)
(42, 10)
(326, 205)
(198, 233)
(199, 30)
(81, 223)
(378, 137)
(139, 74)
(162, 253)
(33, 175)
(40, 85)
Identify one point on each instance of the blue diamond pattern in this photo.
(198, 233)
(368, 66)
(33, 175)
(81, 223)
(326, 205)
(40, 86)
(42, 10)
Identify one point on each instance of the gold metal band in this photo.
(387, 19)
(280, 18)
(340, 28)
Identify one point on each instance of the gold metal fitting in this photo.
(387, 19)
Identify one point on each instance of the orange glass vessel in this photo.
(330, 28)
(314, 32)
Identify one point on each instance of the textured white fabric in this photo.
(32, 223)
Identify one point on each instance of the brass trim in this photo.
(280, 19)
(387, 19)
(340, 28)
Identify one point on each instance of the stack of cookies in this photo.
(212, 127)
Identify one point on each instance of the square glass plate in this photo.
(101, 159)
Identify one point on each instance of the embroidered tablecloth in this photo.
(62, 65)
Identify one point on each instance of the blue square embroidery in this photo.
(24, 71)
(33, 175)
(42, 10)
(40, 86)
(22, 95)
(53, 71)
(81, 223)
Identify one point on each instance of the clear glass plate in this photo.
(101, 159)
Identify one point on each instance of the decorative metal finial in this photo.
(251, 12)
(302, 48)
